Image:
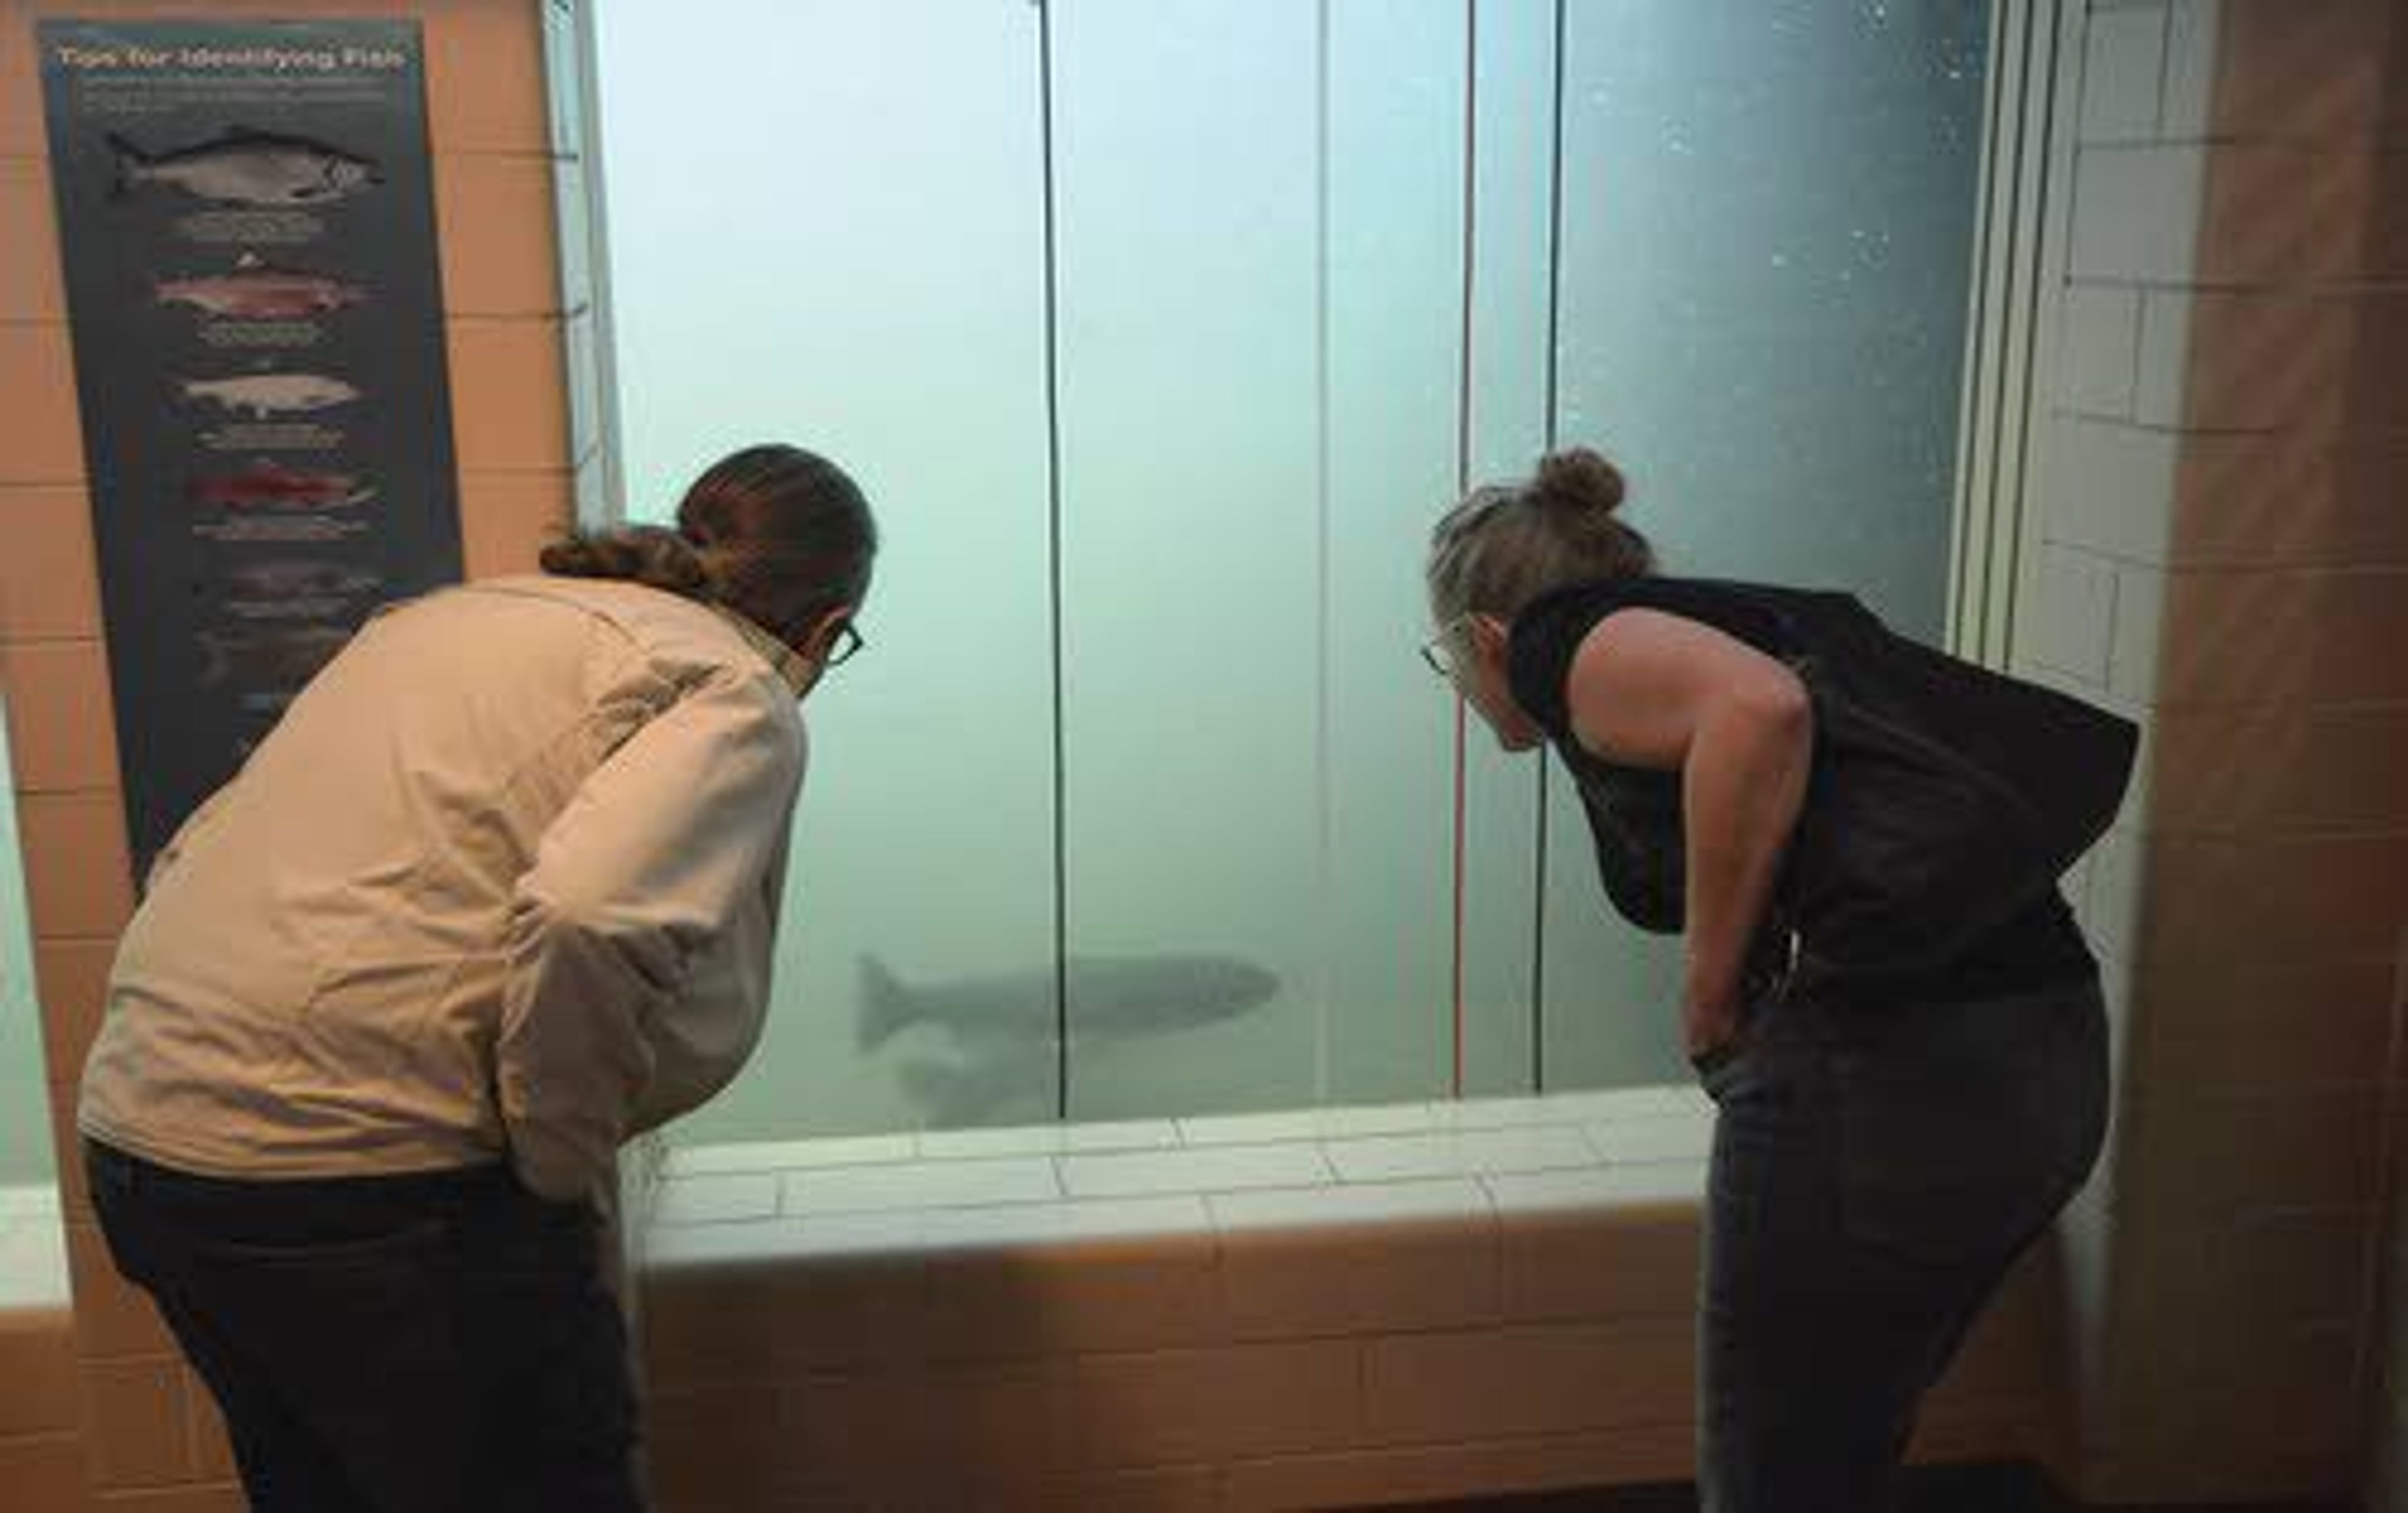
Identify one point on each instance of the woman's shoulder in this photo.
(1552, 626)
(1547, 635)
(1658, 591)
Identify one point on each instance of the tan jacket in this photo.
(503, 881)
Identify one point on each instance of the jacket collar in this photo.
(792, 667)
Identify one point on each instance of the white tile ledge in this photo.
(1477, 1163)
(33, 1253)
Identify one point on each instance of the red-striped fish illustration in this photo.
(258, 291)
(269, 484)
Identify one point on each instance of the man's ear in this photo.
(817, 640)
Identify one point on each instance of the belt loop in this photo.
(1788, 975)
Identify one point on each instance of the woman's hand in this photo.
(1710, 1025)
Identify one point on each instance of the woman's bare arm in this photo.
(1656, 690)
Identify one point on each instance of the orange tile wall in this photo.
(120, 1421)
(2224, 551)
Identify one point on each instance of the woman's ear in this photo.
(1488, 687)
(1489, 637)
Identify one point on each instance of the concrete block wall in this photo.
(1236, 1315)
(2222, 550)
(41, 1412)
(143, 1433)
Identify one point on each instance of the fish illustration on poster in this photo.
(254, 289)
(247, 227)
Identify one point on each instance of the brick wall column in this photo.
(2221, 549)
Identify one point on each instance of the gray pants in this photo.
(1875, 1173)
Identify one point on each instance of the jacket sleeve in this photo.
(702, 1041)
(643, 873)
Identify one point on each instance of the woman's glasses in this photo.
(1440, 652)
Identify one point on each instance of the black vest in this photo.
(1945, 798)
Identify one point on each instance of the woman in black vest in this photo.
(1883, 989)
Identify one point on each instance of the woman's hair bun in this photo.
(1577, 480)
(648, 555)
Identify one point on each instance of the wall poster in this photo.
(247, 225)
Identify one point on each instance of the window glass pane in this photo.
(1191, 564)
(1767, 227)
(1261, 218)
(1392, 272)
(24, 1100)
(1513, 189)
(830, 235)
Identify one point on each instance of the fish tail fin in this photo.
(886, 1004)
(132, 166)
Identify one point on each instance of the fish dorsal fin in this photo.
(240, 136)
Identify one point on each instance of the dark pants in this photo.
(1874, 1175)
(424, 1344)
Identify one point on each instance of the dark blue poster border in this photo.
(247, 227)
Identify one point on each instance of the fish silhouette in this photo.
(284, 657)
(300, 579)
(1120, 996)
(270, 485)
(256, 290)
(244, 167)
(1020, 1081)
(272, 393)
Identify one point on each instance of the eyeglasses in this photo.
(848, 642)
(798, 671)
(1438, 650)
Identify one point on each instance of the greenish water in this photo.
(24, 1124)
(1142, 733)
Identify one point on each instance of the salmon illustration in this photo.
(285, 658)
(263, 394)
(301, 579)
(256, 290)
(245, 166)
(268, 484)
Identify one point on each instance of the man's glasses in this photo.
(798, 671)
(848, 641)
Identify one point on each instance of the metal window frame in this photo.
(2011, 345)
